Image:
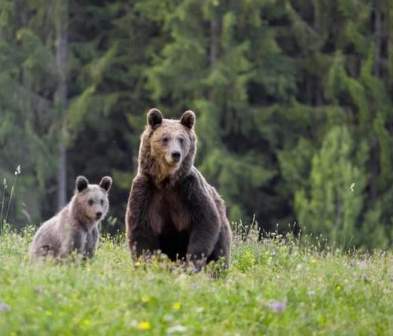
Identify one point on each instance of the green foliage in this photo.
(278, 86)
(333, 204)
(271, 288)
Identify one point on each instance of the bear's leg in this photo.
(91, 242)
(143, 242)
(75, 242)
(204, 233)
(43, 251)
(141, 238)
(222, 248)
(205, 220)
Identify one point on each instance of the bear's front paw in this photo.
(196, 263)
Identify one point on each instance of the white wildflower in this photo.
(4, 307)
(177, 329)
(17, 171)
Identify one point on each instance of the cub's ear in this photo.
(154, 118)
(81, 183)
(106, 183)
(188, 119)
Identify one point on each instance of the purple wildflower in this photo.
(277, 306)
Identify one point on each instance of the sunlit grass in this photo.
(274, 287)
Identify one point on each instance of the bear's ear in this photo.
(106, 183)
(81, 183)
(188, 119)
(154, 118)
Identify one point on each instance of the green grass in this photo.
(274, 288)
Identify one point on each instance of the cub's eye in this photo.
(165, 140)
(181, 140)
(90, 201)
(102, 202)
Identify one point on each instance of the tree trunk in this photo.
(378, 37)
(61, 96)
(213, 52)
(214, 31)
(374, 153)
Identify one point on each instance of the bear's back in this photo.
(47, 240)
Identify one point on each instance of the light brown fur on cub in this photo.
(74, 228)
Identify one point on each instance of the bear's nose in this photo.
(176, 156)
(98, 214)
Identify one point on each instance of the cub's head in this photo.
(91, 202)
(171, 143)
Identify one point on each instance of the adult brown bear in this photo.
(171, 207)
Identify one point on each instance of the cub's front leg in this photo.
(91, 242)
(75, 241)
(141, 238)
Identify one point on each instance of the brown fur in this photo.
(171, 207)
(150, 159)
(75, 228)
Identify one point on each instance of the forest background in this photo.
(293, 101)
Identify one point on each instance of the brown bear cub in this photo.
(75, 228)
(171, 207)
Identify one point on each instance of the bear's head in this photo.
(167, 146)
(90, 202)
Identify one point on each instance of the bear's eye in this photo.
(90, 201)
(102, 202)
(181, 140)
(165, 140)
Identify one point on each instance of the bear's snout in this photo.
(98, 214)
(176, 156)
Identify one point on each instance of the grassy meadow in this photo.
(275, 287)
